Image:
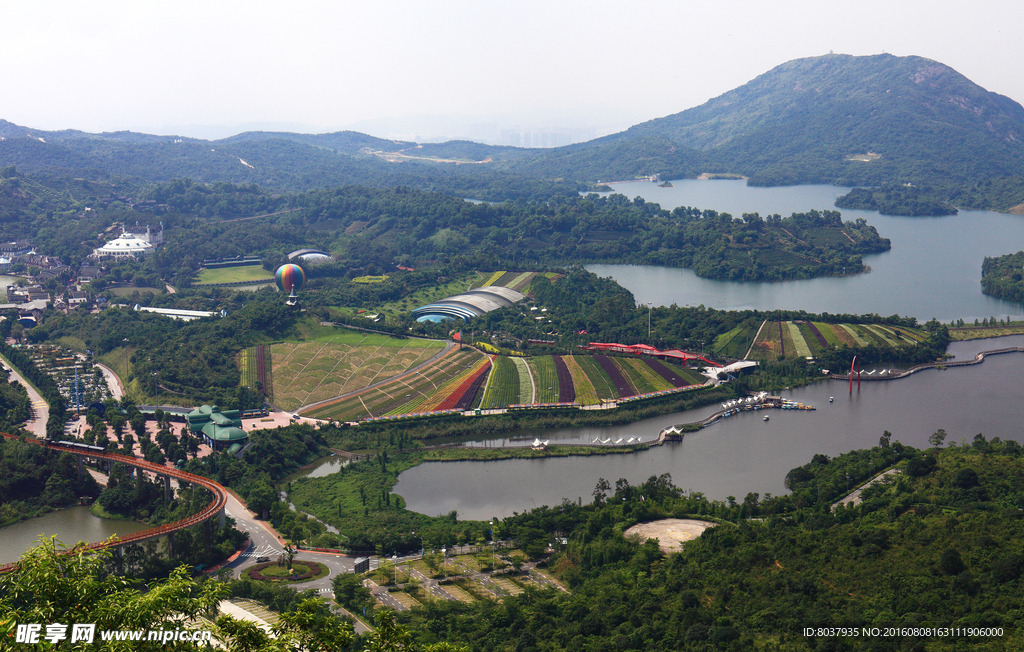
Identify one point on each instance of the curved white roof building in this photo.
(475, 302)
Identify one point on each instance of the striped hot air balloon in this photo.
(290, 278)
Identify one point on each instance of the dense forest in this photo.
(34, 480)
(381, 228)
(938, 546)
(1002, 276)
(891, 199)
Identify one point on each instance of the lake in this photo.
(71, 525)
(742, 453)
(933, 269)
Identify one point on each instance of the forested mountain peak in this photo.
(840, 119)
(866, 89)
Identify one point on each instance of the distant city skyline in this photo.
(453, 68)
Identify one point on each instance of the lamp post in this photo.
(494, 561)
(444, 555)
(394, 560)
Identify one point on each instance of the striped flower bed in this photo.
(622, 386)
(821, 336)
(493, 278)
(797, 337)
(463, 395)
(603, 386)
(858, 340)
(566, 390)
(817, 334)
(644, 378)
(525, 386)
(666, 373)
(586, 394)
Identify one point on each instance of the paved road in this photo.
(853, 498)
(40, 408)
(113, 382)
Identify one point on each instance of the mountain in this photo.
(848, 120)
(276, 160)
(831, 119)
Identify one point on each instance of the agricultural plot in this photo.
(644, 378)
(526, 390)
(515, 280)
(254, 365)
(826, 333)
(852, 332)
(733, 343)
(545, 374)
(799, 344)
(791, 340)
(582, 387)
(623, 386)
(503, 385)
(422, 391)
(885, 334)
(565, 385)
(599, 379)
(337, 363)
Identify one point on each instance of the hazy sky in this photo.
(168, 67)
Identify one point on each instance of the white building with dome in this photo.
(124, 246)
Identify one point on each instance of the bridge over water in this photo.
(214, 509)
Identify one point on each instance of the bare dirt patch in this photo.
(671, 533)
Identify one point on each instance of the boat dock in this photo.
(756, 402)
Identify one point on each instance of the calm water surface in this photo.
(70, 525)
(933, 269)
(742, 454)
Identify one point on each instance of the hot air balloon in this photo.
(290, 278)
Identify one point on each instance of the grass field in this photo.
(335, 361)
(132, 289)
(418, 392)
(233, 275)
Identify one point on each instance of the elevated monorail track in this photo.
(214, 509)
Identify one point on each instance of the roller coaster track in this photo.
(215, 508)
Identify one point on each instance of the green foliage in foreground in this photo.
(49, 588)
(938, 547)
(1003, 276)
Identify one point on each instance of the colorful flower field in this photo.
(499, 382)
(802, 339)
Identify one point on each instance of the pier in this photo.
(760, 401)
(893, 374)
